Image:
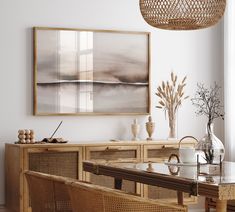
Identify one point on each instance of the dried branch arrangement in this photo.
(208, 102)
(171, 96)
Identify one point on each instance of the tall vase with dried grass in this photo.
(171, 94)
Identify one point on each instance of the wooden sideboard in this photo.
(66, 160)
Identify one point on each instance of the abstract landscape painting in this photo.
(90, 72)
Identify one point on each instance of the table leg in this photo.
(118, 183)
(221, 205)
(180, 197)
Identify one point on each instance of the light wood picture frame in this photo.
(91, 72)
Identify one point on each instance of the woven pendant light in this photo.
(182, 14)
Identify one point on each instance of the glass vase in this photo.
(210, 148)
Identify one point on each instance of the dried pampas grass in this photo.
(171, 97)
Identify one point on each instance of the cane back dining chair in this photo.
(48, 193)
(93, 198)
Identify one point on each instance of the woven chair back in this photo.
(48, 193)
(92, 198)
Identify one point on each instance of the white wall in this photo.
(229, 75)
(197, 54)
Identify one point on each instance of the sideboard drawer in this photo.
(113, 153)
(64, 162)
(159, 153)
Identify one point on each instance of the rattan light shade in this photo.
(182, 14)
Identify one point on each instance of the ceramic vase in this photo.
(150, 126)
(135, 129)
(172, 124)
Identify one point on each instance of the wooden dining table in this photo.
(211, 181)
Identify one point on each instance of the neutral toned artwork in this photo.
(90, 72)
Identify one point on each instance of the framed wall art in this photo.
(96, 72)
